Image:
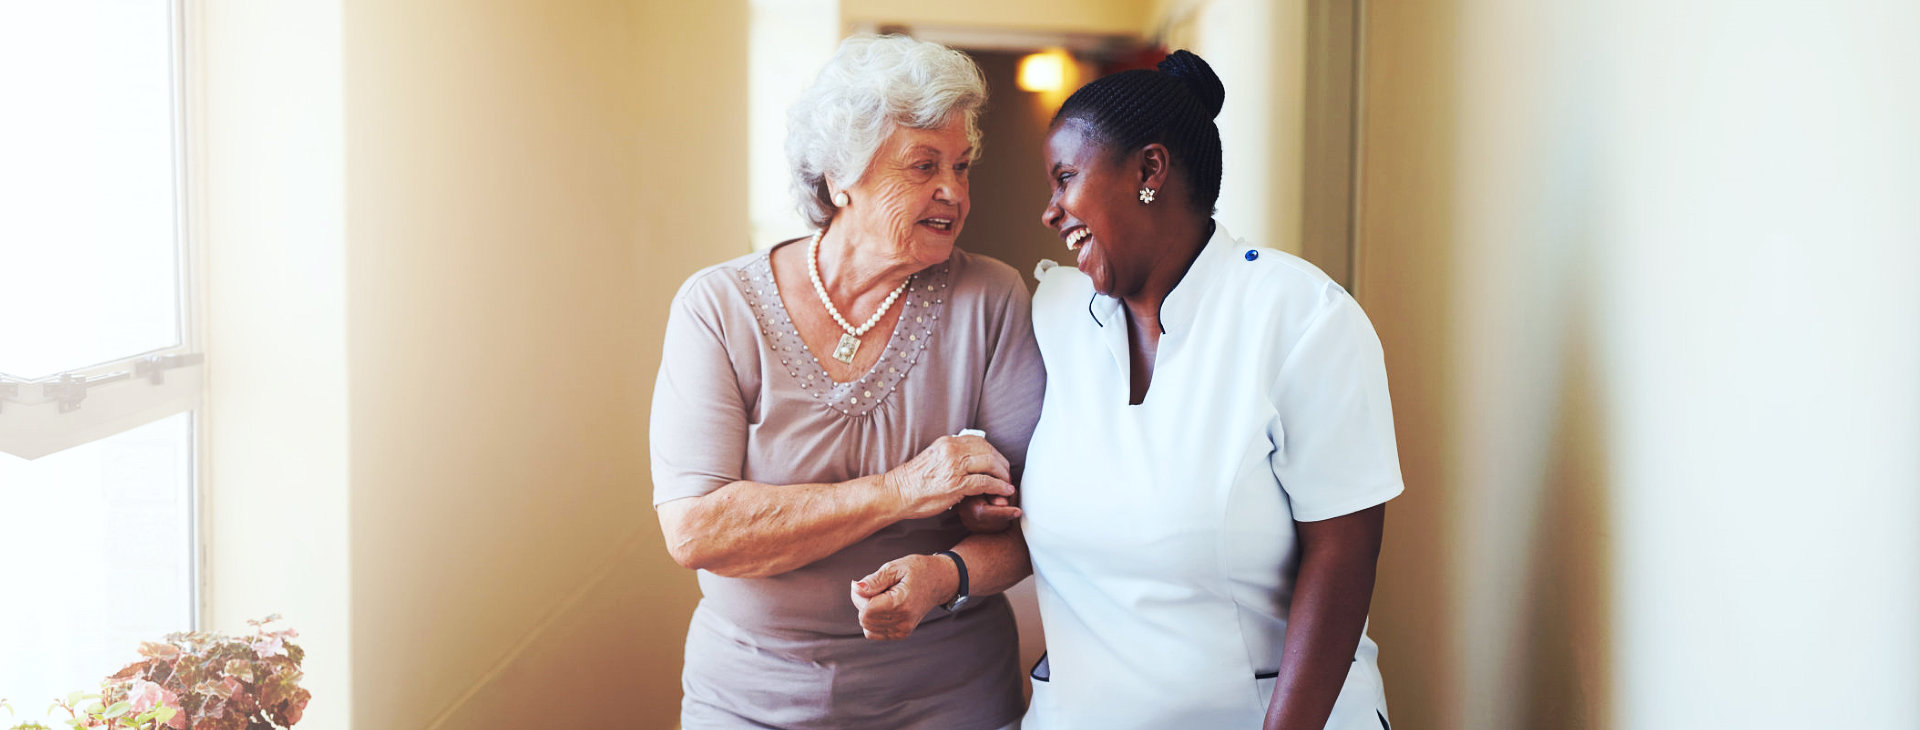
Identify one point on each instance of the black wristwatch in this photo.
(959, 596)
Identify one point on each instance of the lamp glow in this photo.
(1044, 71)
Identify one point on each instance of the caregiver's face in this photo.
(1094, 208)
(914, 194)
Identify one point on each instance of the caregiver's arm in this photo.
(752, 530)
(893, 599)
(1329, 611)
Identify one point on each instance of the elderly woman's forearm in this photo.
(751, 530)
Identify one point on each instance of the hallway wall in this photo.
(1649, 310)
(527, 185)
(441, 239)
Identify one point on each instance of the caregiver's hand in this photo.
(987, 513)
(893, 599)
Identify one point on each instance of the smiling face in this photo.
(1096, 210)
(913, 197)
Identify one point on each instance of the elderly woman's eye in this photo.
(962, 167)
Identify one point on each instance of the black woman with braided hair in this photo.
(1205, 492)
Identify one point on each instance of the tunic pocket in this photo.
(1357, 708)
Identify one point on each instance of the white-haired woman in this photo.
(808, 418)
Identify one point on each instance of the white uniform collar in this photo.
(1183, 303)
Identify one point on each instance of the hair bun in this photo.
(1199, 78)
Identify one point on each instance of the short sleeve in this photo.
(1334, 450)
(698, 429)
(1015, 379)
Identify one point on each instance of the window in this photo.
(99, 367)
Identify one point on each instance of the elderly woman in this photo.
(808, 423)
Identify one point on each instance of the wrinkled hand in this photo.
(893, 599)
(952, 469)
(987, 513)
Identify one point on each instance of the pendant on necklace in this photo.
(844, 351)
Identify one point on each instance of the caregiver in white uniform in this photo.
(1204, 494)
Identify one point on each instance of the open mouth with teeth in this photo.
(943, 225)
(1077, 238)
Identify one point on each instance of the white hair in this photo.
(871, 85)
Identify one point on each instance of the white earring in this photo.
(1146, 194)
(840, 199)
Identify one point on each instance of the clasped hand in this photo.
(893, 599)
(958, 470)
(963, 471)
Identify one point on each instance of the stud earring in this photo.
(840, 199)
(1146, 195)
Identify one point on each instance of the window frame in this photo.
(76, 406)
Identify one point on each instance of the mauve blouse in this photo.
(740, 397)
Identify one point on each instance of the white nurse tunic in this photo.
(1162, 533)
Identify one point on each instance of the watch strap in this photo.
(959, 595)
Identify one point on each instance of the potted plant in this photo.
(197, 681)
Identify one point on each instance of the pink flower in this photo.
(146, 695)
(269, 645)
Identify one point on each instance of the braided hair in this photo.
(1174, 106)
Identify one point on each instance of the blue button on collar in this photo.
(1252, 254)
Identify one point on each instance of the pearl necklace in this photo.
(850, 340)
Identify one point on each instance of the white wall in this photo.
(787, 43)
(1760, 325)
(269, 161)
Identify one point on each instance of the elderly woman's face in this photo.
(913, 196)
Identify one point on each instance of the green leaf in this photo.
(118, 709)
(164, 714)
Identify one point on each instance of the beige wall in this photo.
(1408, 256)
(528, 183)
(1258, 48)
(1634, 274)
(441, 240)
(1099, 17)
(1491, 608)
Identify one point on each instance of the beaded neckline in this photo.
(923, 304)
